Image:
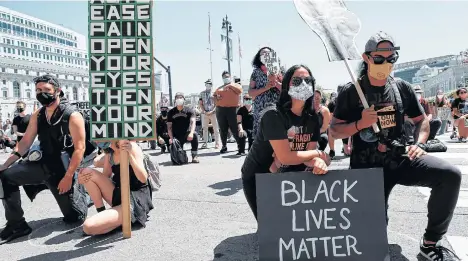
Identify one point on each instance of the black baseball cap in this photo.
(376, 39)
(50, 79)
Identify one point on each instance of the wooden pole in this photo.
(125, 194)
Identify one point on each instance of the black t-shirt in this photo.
(247, 118)
(460, 105)
(21, 124)
(278, 125)
(365, 142)
(331, 106)
(180, 120)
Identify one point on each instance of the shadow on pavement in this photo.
(395, 253)
(245, 247)
(227, 188)
(86, 247)
(36, 226)
(233, 156)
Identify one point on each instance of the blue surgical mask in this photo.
(104, 145)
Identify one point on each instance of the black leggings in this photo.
(242, 140)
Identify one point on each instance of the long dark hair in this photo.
(285, 101)
(256, 63)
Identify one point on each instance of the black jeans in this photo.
(182, 138)
(428, 171)
(323, 141)
(443, 178)
(73, 204)
(227, 119)
(241, 141)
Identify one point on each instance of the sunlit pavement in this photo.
(201, 214)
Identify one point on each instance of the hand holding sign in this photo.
(337, 27)
(270, 60)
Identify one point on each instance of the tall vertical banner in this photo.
(122, 79)
(223, 45)
(121, 70)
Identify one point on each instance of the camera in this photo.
(395, 148)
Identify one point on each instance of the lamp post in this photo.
(228, 27)
(168, 71)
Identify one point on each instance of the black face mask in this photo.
(164, 113)
(46, 98)
(20, 110)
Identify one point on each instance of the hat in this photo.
(179, 94)
(417, 89)
(371, 45)
(49, 78)
(208, 81)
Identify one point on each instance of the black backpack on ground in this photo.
(178, 154)
(435, 145)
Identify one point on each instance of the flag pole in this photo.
(211, 50)
(240, 57)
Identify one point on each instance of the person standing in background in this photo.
(20, 122)
(227, 100)
(263, 89)
(442, 102)
(208, 109)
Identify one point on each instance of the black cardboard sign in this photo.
(337, 216)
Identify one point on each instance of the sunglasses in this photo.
(462, 92)
(247, 99)
(380, 59)
(296, 81)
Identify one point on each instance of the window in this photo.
(28, 94)
(5, 92)
(75, 93)
(3, 69)
(4, 82)
(15, 70)
(84, 97)
(37, 73)
(16, 90)
(27, 83)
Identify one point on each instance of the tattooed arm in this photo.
(422, 128)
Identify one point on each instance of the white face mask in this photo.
(208, 86)
(302, 92)
(179, 102)
(227, 80)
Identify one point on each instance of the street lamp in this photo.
(228, 27)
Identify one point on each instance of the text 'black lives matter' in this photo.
(121, 70)
(337, 216)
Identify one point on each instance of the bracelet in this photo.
(355, 124)
(16, 154)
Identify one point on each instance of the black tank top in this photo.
(135, 184)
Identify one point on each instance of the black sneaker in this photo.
(6, 231)
(223, 150)
(438, 253)
(240, 154)
(15, 232)
(332, 154)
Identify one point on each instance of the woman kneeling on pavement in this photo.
(104, 186)
(287, 135)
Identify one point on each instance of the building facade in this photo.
(30, 47)
(447, 81)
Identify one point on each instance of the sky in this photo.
(422, 29)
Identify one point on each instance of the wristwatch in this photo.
(421, 145)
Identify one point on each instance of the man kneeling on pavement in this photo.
(48, 124)
(434, 124)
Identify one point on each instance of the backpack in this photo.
(178, 154)
(154, 175)
(435, 145)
